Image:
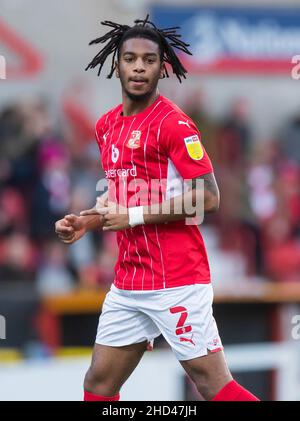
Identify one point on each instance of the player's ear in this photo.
(117, 69)
(162, 71)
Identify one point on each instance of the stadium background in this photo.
(247, 107)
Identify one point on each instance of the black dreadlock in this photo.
(166, 39)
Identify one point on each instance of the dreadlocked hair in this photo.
(167, 39)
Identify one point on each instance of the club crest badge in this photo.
(135, 140)
(194, 147)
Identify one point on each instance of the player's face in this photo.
(139, 68)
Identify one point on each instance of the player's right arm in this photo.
(72, 227)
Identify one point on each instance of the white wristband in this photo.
(136, 216)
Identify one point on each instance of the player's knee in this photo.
(97, 382)
(203, 386)
(208, 383)
(94, 377)
(88, 381)
(203, 379)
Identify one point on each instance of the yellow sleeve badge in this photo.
(194, 147)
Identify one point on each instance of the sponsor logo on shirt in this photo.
(135, 140)
(121, 172)
(194, 147)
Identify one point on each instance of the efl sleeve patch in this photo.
(194, 147)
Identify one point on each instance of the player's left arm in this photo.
(211, 192)
(204, 197)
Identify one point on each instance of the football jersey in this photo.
(147, 158)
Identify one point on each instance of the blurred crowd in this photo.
(46, 171)
(50, 169)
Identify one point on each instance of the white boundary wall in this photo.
(158, 377)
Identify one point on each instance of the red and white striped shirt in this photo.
(159, 143)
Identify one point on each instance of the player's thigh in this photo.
(113, 365)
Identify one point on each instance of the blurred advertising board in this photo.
(235, 40)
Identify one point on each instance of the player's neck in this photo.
(132, 107)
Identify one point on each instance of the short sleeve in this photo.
(182, 143)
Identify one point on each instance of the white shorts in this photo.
(183, 315)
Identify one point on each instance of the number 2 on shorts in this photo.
(180, 328)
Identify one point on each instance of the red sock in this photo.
(90, 397)
(233, 391)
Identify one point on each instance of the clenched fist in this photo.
(70, 229)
